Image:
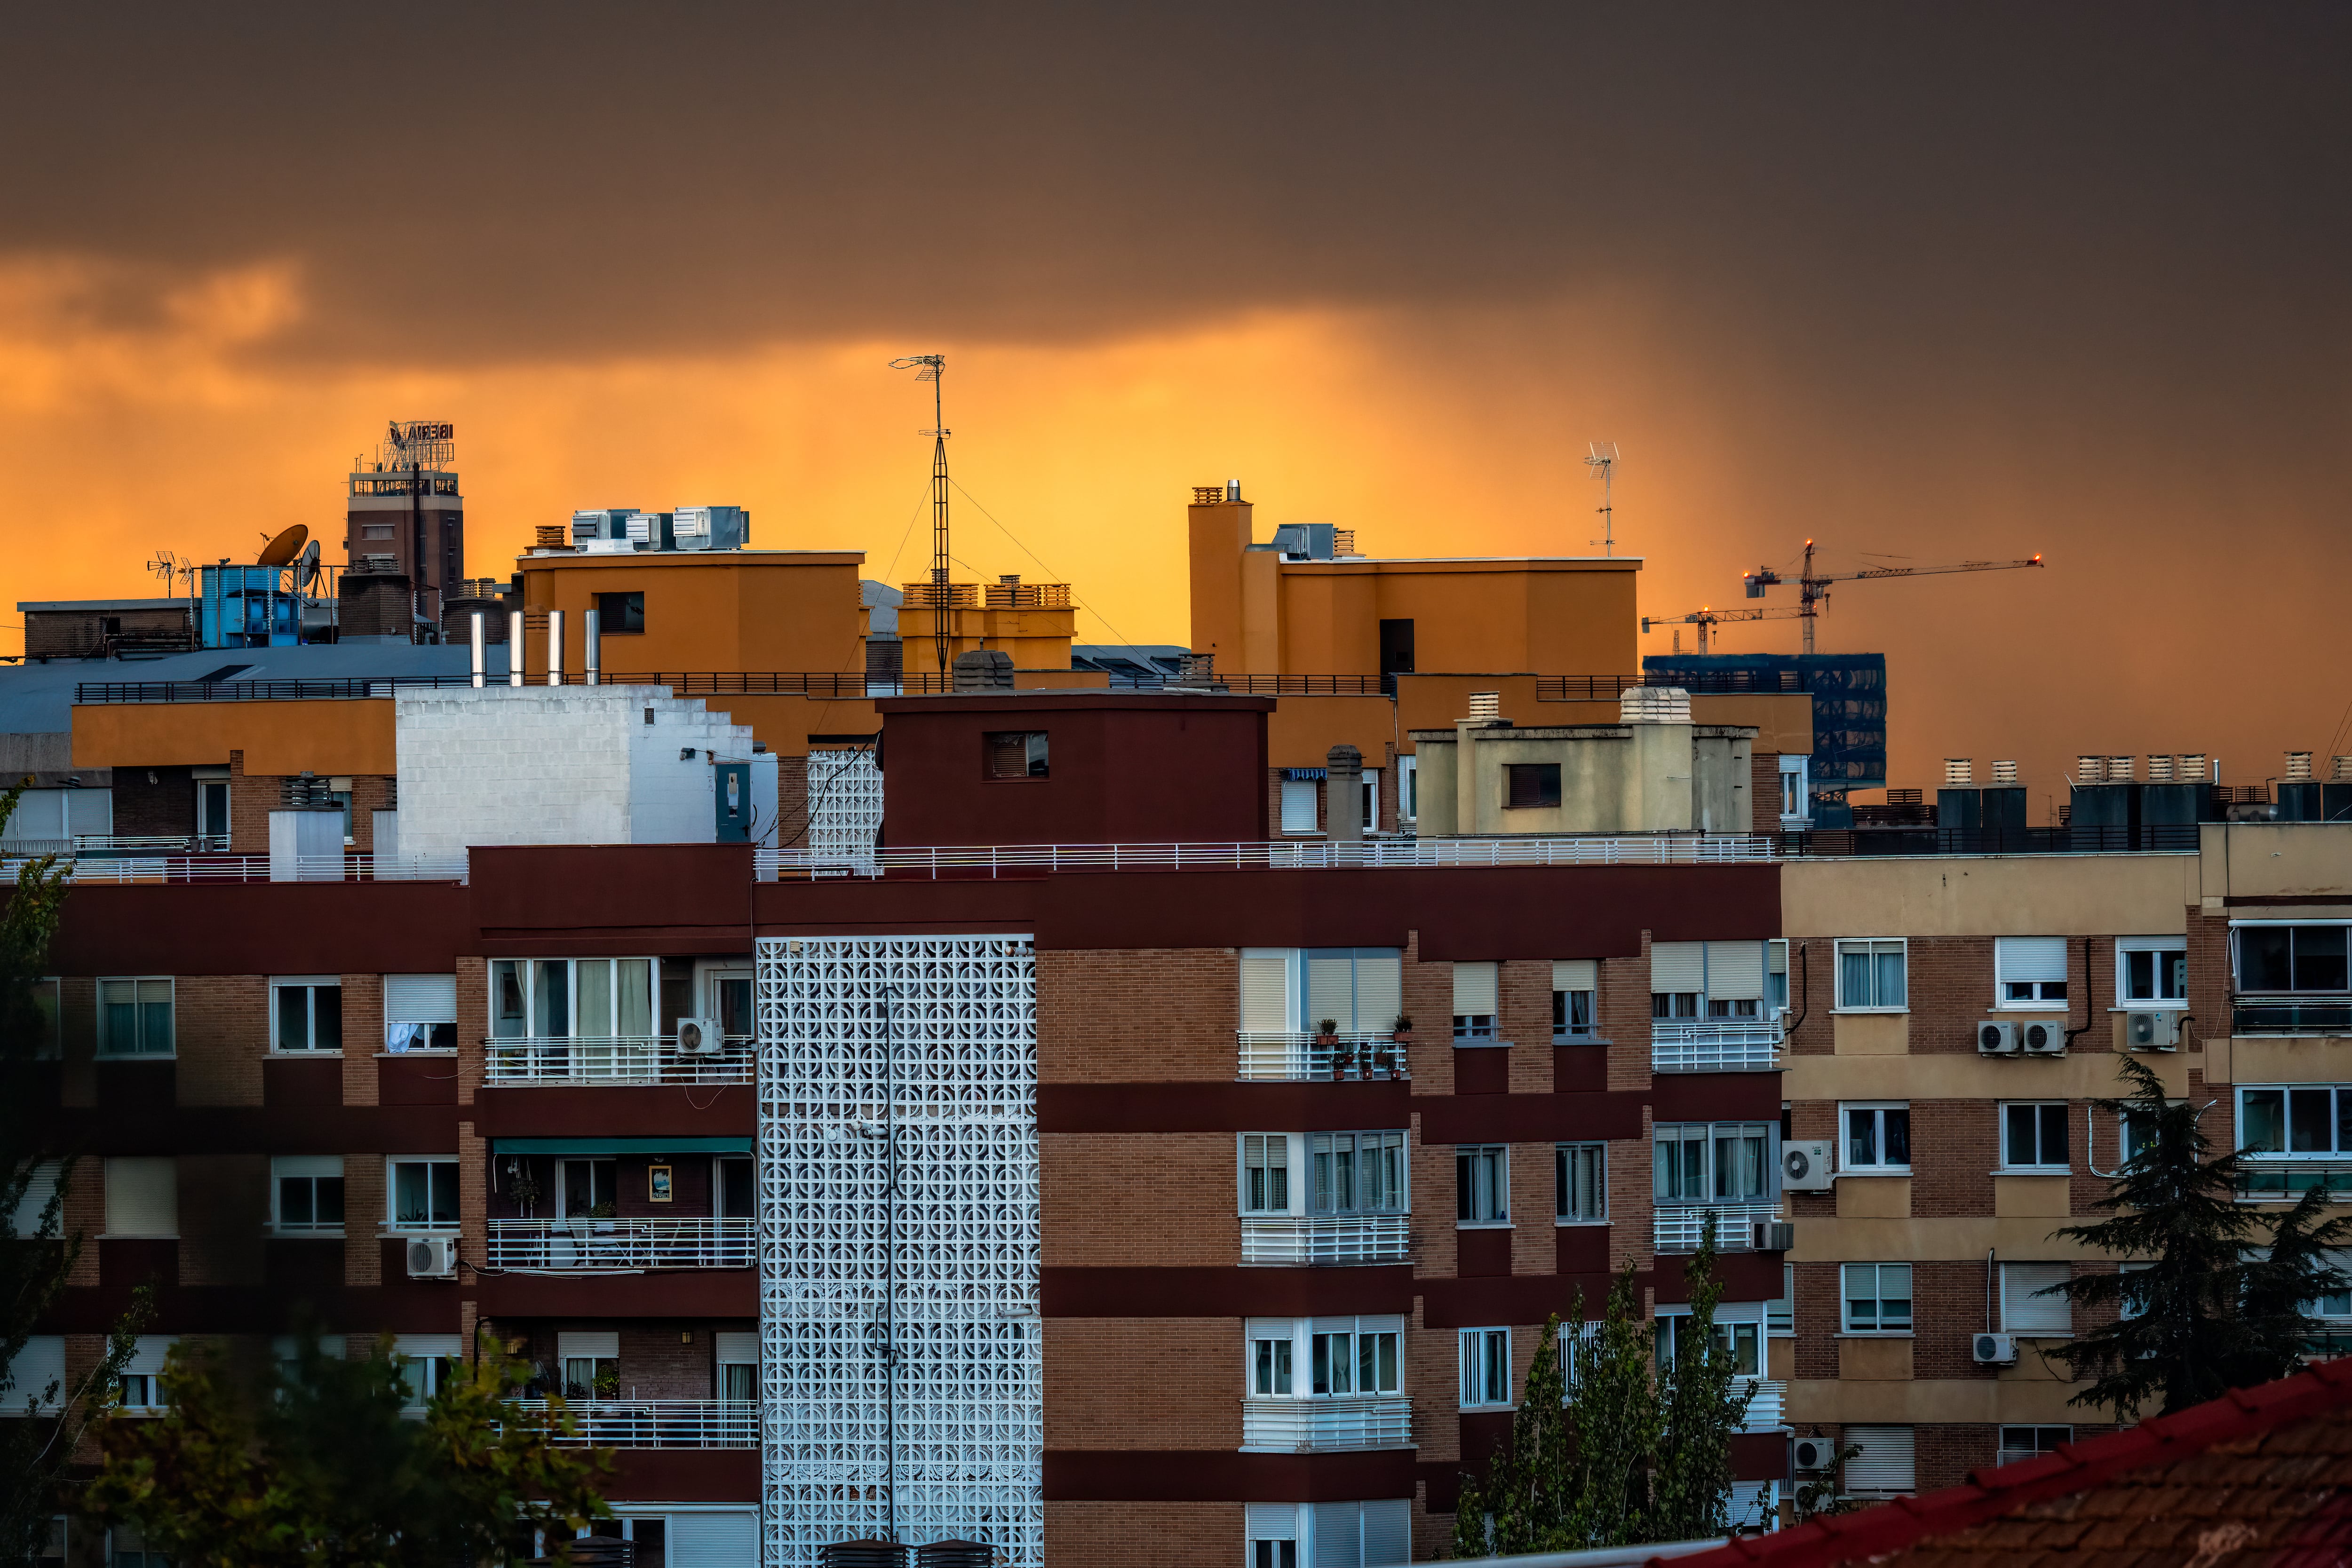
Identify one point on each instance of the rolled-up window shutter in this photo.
(1885, 1464)
(425, 1344)
(602, 1343)
(39, 1188)
(2031, 957)
(420, 999)
(1776, 956)
(142, 1196)
(1273, 1520)
(1735, 971)
(1338, 1534)
(736, 1347)
(150, 1353)
(1331, 989)
(1575, 975)
(42, 1362)
(1474, 990)
(1387, 1532)
(1677, 966)
(1265, 991)
(1380, 990)
(2023, 1309)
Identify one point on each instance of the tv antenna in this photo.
(1603, 464)
(933, 368)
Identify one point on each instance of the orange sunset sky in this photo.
(1933, 284)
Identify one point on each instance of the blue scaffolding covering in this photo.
(1849, 692)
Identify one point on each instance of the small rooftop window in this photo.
(1016, 754)
(1530, 784)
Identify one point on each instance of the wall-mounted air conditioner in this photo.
(1812, 1453)
(1995, 1038)
(1994, 1349)
(2154, 1030)
(700, 1037)
(432, 1257)
(1805, 1165)
(1773, 1235)
(2043, 1037)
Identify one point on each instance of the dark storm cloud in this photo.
(1873, 191)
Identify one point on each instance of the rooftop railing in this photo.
(1324, 1425)
(83, 868)
(576, 1060)
(619, 1246)
(983, 861)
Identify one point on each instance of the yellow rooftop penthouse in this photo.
(1306, 603)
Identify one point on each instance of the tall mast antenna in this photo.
(1603, 466)
(933, 368)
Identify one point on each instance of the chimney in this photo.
(591, 649)
(1960, 771)
(1653, 705)
(556, 647)
(2298, 766)
(514, 647)
(2159, 769)
(1343, 797)
(984, 670)
(481, 653)
(1485, 707)
(1197, 669)
(2005, 772)
(1232, 490)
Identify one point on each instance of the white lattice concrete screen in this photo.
(969, 1441)
(844, 804)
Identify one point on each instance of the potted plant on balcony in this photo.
(525, 1190)
(604, 1214)
(1399, 1038)
(1327, 1041)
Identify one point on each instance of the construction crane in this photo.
(1813, 591)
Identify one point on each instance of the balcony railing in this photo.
(134, 866)
(982, 861)
(1715, 1045)
(1679, 1229)
(657, 1423)
(619, 1246)
(1297, 1057)
(1767, 1411)
(584, 1059)
(2284, 1178)
(1326, 1424)
(1318, 1239)
(2250, 1014)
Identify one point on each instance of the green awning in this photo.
(620, 1145)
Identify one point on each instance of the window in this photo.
(1409, 787)
(427, 1362)
(1780, 1311)
(420, 1012)
(1776, 975)
(1355, 1360)
(1877, 1138)
(1270, 1368)
(305, 1193)
(736, 1198)
(1871, 977)
(422, 1195)
(40, 1188)
(2034, 1136)
(1690, 980)
(134, 1017)
(126, 1547)
(731, 1004)
(1580, 1182)
(1356, 1173)
(1794, 806)
(212, 812)
(2029, 1301)
(1474, 990)
(2024, 1442)
(1887, 1465)
(1485, 1368)
(2152, 971)
(1741, 1338)
(1371, 783)
(1482, 1185)
(142, 1195)
(2296, 1119)
(1701, 1162)
(1016, 754)
(1573, 983)
(2291, 958)
(584, 999)
(1299, 803)
(1265, 1173)
(1362, 989)
(141, 1382)
(738, 1365)
(2028, 971)
(1529, 786)
(620, 615)
(588, 1188)
(305, 1013)
(1877, 1296)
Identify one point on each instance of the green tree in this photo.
(313, 1464)
(2208, 1306)
(1614, 1443)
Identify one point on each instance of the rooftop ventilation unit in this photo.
(2298, 765)
(2119, 769)
(2005, 772)
(2159, 769)
(1654, 704)
(1485, 707)
(2189, 765)
(1960, 770)
(2086, 770)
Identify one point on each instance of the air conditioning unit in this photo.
(1805, 1167)
(1812, 1453)
(432, 1257)
(1995, 1349)
(1773, 1235)
(2042, 1038)
(2153, 1031)
(700, 1037)
(1995, 1038)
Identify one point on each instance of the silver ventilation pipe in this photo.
(514, 647)
(556, 647)
(591, 646)
(481, 651)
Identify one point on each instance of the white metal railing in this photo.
(1715, 1045)
(1767, 1410)
(597, 1058)
(613, 1246)
(657, 1423)
(134, 867)
(988, 859)
(1325, 1239)
(2284, 1178)
(1679, 1229)
(1297, 1055)
(1320, 1425)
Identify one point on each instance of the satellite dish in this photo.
(280, 551)
(306, 565)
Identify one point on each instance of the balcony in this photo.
(1767, 1411)
(657, 1423)
(2284, 1178)
(1715, 1045)
(1276, 1057)
(619, 1246)
(2271, 1014)
(1679, 1229)
(1326, 1424)
(600, 1059)
(1326, 1239)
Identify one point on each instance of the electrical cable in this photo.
(1032, 555)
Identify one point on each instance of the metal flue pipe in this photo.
(591, 644)
(481, 651)
(514, 647)
(556, 647)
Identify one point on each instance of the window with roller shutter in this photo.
(142, 1195)
(1574, 982)
(1886, 1467)
(1361, 990)
(2030, 972)
(2024, 1310)
(1677, 978)
(1475, 989)
(420, 1012)
(1266, 989)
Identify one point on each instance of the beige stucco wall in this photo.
(1956, 1075)
(1989, 895)
(1615, 779)
(2272, 860)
